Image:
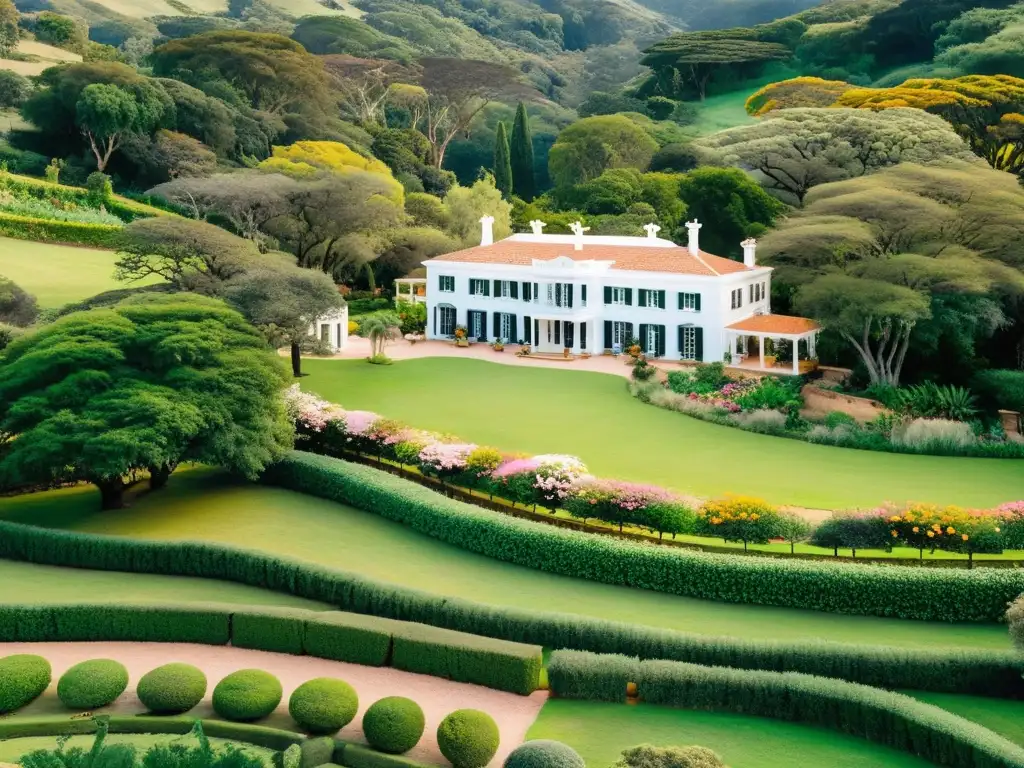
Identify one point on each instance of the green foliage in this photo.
(393, 725)
(52, 231)
(524, 182)
(468, 738)
(60, 31)
(358, 756)
(648, 756)
(341, 34)
(17, 307)
(674, 158)
(280, 630)
(23, 677)
(8, 28)
(1003, 389)
(92, 684)
(888, 718)
(14, 89)
(929, 400)
(591, 676)
(111, 622)
(853, 531)
(502, 162)
(588, 147)
(247, 695)
(316, 751)
(468, 658)
(543, 753)
(903, 592)
(350, 637)
(172, 689)
(323, 705)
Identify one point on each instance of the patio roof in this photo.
(776, 325)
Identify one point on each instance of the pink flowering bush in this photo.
(445, 459)
(1013, 517)
(622, 503)
(545, 480)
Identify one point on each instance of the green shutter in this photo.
(661, 300)
(514, 328)
(526, 292)
(629, 297)
(527, 329)
(536, 331)
(641, 299)
(440, 282)
(558, 332)
(660, 346)
(698, 344)
(435, 320)
(583, 336)
(514, 288)
(679, 339)
(696, 301)
(569, 298)
(583, 293)
(643, 337)
(487, 287)
(681, 294)
(607, 294)
(497, 289)
(607, 332)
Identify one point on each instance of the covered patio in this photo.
(760, 328)
(411, 289)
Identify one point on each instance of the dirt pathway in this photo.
(514, 714)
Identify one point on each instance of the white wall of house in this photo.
(333, 329)
(716, 302)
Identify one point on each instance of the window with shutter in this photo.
(558, 331)
(661, 341)
(514, 335)
(699, 357)
(629, 297)
(514, 286)
(643, 338)
(583, 335)
(497, 325)
(751, 293)
(568, 297)
(497, 289)
(696, 303)
(583, 295)
(607, 294)
(608, 341)
(661, 299)
(570, 329)
(527, 329)
(641, 298)
(536, 331)
(526, 291)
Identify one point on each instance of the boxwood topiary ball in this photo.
(468, 738)
(246, 695)
(23, 677)
(544, 753)
(172, 689)
(92, 684)
(393, 725)
(323, 705)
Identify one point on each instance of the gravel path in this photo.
(514, 714)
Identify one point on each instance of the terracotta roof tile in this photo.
(775, 324)
(676, 260)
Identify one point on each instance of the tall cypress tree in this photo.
(502, 163)
(523, 181)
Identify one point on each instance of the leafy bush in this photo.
(885, 717)
(246, 695)
(934, 435)
(772, 394)
(763, 422)
(591, 676)
(931, 401)
(34, 208)
(468, 738)
(23, 678)
(323, 705)
(393, 725)
(316, 751)
(648, 756)
(838, 419)
(1014, 617)
(71, 232)
(172, 689)
(543, 753)
(739, 518)
(21, 160)
(856, 530)
(358, 307)
(99, 188)
(1000, 389)
(92, 684)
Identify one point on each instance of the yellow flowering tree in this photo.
(950, 529)
(739, 518)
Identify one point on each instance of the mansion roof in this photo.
(635, 254)
(782, 324)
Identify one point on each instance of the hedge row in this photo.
(367, 640)
(981, 672)
(358, 756)
(49, 230)
(907, 593)
(885, 717)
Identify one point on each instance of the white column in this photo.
(760, 349)
(733, 338)
(796, 355)
(812, 341)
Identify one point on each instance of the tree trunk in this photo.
(792, 547)
(111, 493)
(296, 360)
(158, 476)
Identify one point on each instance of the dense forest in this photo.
(874, 146)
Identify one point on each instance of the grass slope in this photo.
(59, 274)
(546, 410)
(203, 505)
(600, 731)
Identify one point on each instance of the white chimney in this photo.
(578, 229)
(538, 226)
(749, 252)
(487, 230)
(652, 231)
(693, 227)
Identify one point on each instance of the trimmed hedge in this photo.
(281, 630)
(394, 724)
(591, 676)
(885, 717)
(261, 736)
(49, 230)
(544, 753)
(91, 684)
(367, 639)
(469, 738)
(358, 756)
(323, 705)
(23, 678)
(316, 752)
(172, 689)
(468, 658)
(908, 593)
(246, 695)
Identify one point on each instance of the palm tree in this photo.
(380, 328)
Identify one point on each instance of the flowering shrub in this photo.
(952, 529)
(739, 518)
(541, 480)
(445, 459)
(621, 503)
(1013, 516)
(407, 450)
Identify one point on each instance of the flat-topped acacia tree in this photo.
(108, 394)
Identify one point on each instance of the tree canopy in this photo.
(588, 147)
(17, 306)
(794, 150)
(104, 394)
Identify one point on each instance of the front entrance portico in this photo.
(554, 335)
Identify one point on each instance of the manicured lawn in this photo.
(27, 582)
(203, 505)
(591, 415)
(12, 750)
(59, 274)
(600, 731)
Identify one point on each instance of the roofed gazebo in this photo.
(792, 329)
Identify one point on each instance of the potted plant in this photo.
(498, 345)
(461, 336)
(524, 350)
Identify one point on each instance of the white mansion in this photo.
(590, 294)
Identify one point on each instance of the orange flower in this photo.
(931, 535)
(951, 530)
(916, 529)
(963, 536)
(894, 534)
